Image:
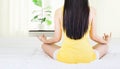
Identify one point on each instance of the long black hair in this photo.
(76, 18)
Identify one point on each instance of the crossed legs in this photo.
(102, 49)
(51, 48)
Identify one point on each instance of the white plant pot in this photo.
(36, 26)
(41, 26)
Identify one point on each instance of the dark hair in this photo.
(76, 18)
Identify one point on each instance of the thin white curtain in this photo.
(4, 18)
(14, 17)
(18, 17)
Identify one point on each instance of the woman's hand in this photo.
(42, 38)
(107, 37)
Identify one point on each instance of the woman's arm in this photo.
(93, 34)
(58, 32)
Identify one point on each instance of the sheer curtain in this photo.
(4, 18)
(19, 11)
(14, 17)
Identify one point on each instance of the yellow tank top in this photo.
(76, 51)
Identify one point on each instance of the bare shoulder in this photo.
(59, 14)
(92, 11)
(92, 14)
(59, 11)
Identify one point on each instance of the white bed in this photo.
(25, 53)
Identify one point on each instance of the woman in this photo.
(76, 20)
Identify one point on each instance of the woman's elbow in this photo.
(57, 39)
(93, 37)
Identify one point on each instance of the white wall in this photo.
(108, 16)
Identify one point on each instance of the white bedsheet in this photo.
(25, 53)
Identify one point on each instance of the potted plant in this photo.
(43, 16)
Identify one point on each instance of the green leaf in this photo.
(43, 20)
(38, 2)
(49, 22)
(35, 17)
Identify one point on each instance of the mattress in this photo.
(26, 53)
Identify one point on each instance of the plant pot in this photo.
(41, 26)
(36, 26)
